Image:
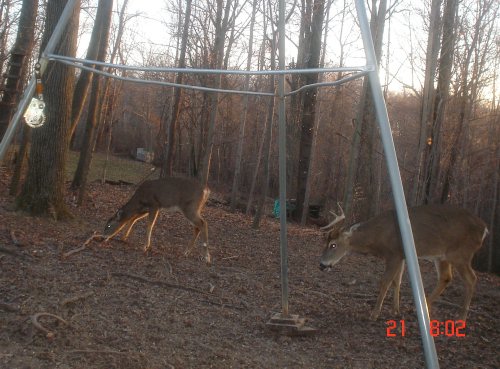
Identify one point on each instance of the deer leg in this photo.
(392, 268)
(153, 215)
(397, 285)
(208, 258)
(131, 223)
(469, 277)
(200, 225)
(189, 247)
(445, 276)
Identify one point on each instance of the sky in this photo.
(148, 30)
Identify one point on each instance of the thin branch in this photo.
(181, 287)
(49, 334)
(76, 298)
(84, 246)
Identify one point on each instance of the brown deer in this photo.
(174, 193)
(447, 235)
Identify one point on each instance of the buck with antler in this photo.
(447, 235)
(173, 193)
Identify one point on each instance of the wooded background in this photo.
(443, 107)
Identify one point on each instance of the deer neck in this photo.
(360, 239)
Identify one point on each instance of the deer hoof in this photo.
(374, 316)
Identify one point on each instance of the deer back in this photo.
(185, 194)
(439, 231)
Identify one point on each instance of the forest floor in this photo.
(114, 307)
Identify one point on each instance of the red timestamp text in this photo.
(447, 328)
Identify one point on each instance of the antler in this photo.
(338, 218)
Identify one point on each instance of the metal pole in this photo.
(282, 159)
(398, 193)
(30, 89)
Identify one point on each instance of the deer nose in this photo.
(322, 266)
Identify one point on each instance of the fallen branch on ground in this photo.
(442, 301)
(9, 307)
(49, 334)
(94, 236)
(111, 352)
(11, 252)
(73, 299)
(178, 286)
(160, 283)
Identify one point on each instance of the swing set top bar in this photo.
(89, 65)
(56, 57)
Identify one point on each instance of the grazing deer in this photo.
(183, 194)
(447, 235)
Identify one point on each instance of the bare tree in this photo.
(85, 78)
(43, 190)
(313, 31)
(173, 118)
(221, 27)
(241, 136)
(364, 151)
(267, 139)
(432, 160)
(18, 62)
(16, 74)
(428, 96)
(102, 24)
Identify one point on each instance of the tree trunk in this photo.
(264, 182)
(431, 179)
(241, 136)
(43, 190)
(172, 126)
(83, 83)
(428, 96)
(21, 159)
(102, 27)
(5, 23)
(364, 150)
(19, 58)
(221, 26)
(309, 103)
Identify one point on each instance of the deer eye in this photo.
(332, 245)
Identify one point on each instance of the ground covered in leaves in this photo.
(110, 306)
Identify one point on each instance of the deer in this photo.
(185, 195)
(447, 235)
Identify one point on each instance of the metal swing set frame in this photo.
(369, 70)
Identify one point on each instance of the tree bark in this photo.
(221, 26)
(313, 53)
(172, 126)
(103, 25)
(428, 96)
(43, 190)
(364, 150)
(431, 179)
(241, 136)
(19, 58)
(264, 181)
(85, 79)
